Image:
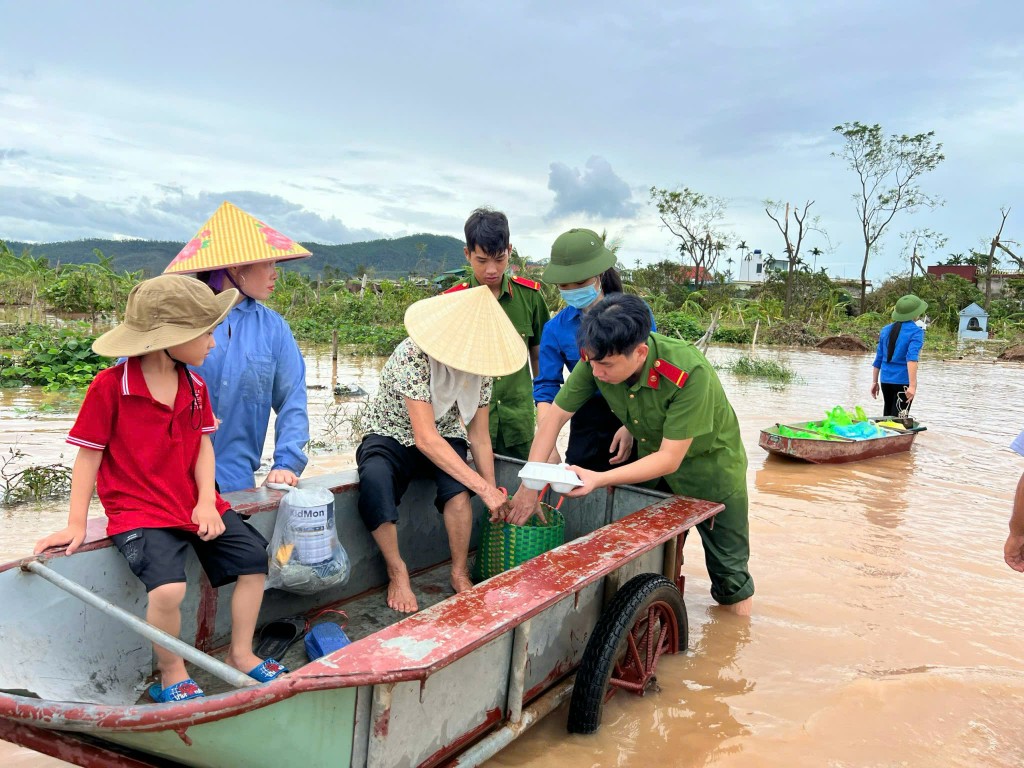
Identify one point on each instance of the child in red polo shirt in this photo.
(143, 437)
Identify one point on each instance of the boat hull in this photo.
(418, 691)
(825, 451)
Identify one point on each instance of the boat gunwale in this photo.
(249, 502)
(638, 533)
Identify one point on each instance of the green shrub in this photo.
(733, 335)
(679, 325)
(52, 358)
(374, 320)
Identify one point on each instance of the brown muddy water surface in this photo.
(886, 629)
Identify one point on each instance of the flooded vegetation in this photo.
(761, 368)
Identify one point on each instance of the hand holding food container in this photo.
(538, 475)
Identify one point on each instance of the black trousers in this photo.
(591, 430)
(386, 467)
(894, 399)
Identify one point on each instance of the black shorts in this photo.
(157, 555)
(386, 467)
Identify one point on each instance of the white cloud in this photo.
(596, 191)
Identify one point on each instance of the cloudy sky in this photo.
(343, 121)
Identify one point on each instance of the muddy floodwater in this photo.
(887, 631)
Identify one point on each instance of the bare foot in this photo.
(742, 608)
(400, 594)
(460, 580)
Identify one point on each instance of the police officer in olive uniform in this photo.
(487, 251)
(671, 400)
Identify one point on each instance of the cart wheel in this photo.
(645, 619)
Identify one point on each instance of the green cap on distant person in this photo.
(577, 255)
(909, 307)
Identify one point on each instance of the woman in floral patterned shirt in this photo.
(431, 404)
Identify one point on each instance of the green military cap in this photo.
(577, 255)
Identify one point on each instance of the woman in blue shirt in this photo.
(256, 365)
(584, 271)
(895, 365)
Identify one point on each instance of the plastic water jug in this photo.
(313, 534)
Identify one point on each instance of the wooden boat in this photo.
(835, 450)
(456, 681)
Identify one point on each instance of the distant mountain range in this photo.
(412, 255)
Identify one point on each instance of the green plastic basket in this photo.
(504, 546)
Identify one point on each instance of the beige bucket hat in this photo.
(468, 331)
(163, 312)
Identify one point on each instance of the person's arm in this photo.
(913, 353)
(443, 456)
(580, 387)
(83, 483)
(664, 461)
(549, 377)
(291, 428)
(479, 432)
(911, 388)
(1013, 550)
(542, 410)
(524, 503)
(205, 514)
(550, 363)
(876, 366)
(621, 446)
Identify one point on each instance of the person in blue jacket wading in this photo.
(895, 365)
(256, 364)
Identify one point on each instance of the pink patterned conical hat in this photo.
(232, 237)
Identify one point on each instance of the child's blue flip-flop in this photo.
(268, 670)
(186, 689)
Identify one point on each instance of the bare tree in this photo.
(793, 238)
(696, 220)
(916, 243)
(888, 173)
(1001, 245)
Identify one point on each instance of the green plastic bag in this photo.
(837, 417)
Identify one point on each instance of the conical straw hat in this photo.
(231, 238)
(468, 331)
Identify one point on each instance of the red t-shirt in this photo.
(147, 478)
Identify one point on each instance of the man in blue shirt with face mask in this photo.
(584, 271)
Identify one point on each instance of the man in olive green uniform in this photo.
(670, 399)
(487, 251)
